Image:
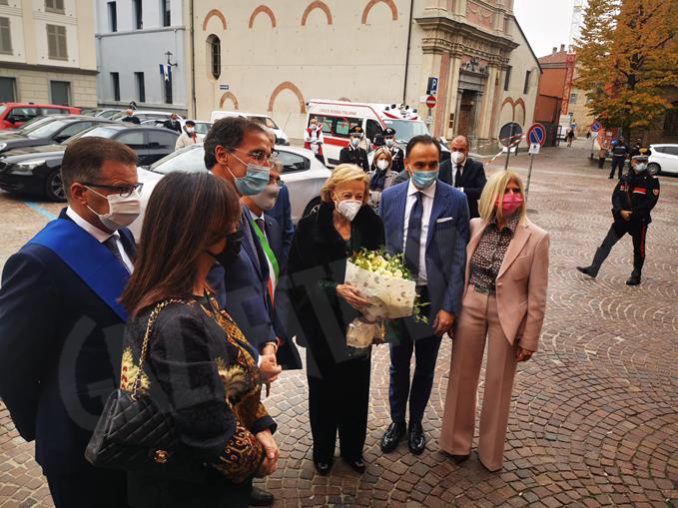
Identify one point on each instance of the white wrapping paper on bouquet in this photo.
(389, 297)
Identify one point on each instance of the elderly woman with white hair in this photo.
(322, 306)
(504, 302)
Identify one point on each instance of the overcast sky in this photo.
(546, 23)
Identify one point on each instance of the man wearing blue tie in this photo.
(61, 325)
(428, 221)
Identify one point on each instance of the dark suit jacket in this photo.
(60, 350)
(242, 289)
(472, 179)
(448, 235)
(282, 213)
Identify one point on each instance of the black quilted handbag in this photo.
(132, 433)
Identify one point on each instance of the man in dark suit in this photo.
(354, 153)
(282, 213)
(239, 151)
(427, 221)
(172, 123)
(464, 173)
(61, 326)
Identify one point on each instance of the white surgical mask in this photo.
(458, 157)
(355, 141)
(190, 130)
(640, 167)
(314, 126)
(266, 199)
(349, 208)
(382, 164)
(121, 211)
(389, 142)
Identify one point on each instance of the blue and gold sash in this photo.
(88, 258)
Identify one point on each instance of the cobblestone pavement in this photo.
(594, 415)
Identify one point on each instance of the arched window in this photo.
(214, 55)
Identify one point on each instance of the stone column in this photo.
(453, 98)
(487, 105)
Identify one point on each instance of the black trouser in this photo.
(617, 162)
(89, 487)
(338, 399)
(601, 162)
(637, 230)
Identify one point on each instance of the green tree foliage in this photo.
(627, 56)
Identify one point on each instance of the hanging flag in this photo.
(165, 72)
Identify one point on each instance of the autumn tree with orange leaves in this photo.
(627, 57)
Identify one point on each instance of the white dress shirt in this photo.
(101, 236)
(427, 196)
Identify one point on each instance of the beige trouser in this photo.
(479, 320)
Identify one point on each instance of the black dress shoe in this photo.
(392, 437)
(634, 280)
(458, 459)
(260, 497)
(323, 468)
(586, 270)
(358, 465)
(416, 439)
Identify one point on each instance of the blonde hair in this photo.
(382, 152)
(344, 173)
(494, 190)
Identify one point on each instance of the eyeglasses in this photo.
(259, 156)
(124, 191)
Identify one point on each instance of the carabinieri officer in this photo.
(353, 153)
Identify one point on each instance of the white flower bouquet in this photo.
(383, 280)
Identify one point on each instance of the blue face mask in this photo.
(254, 181)
(424, 179)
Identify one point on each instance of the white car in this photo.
(144, 115)
(265, 120)
(664, 159)
(303, 174)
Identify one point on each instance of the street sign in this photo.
(534, 149)
(432, 87)
(225, 88)
(431, 102)
(596, 126)
(510, 134)
(536, 134)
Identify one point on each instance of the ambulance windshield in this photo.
(406, 129)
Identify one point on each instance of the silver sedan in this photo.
(303, 175)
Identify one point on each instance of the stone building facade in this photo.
(47, 53)
(274, 58)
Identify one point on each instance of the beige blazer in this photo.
(521, 283)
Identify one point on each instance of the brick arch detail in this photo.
(318, 4)
(210, 15)
(263, 9)
(287, 85)
(390, 3)
(232, 98)
(514, 104)
(344, 99)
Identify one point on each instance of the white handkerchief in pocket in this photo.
(444, 219)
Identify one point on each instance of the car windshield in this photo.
(102, 132)
(2, 109)
(35, 123)
(191, 158)
(202, 128)
(109, 114)
(46, 130)
(406, 129)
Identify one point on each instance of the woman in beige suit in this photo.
(504, 301)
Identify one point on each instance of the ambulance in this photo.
(338, 118)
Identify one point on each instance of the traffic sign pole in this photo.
(508, 148)
(529, 176)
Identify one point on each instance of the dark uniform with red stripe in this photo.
(637, 193)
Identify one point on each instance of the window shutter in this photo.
(51, 42)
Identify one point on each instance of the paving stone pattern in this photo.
(594, 414)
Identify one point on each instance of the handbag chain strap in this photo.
(144, 346)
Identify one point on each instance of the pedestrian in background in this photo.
(570, 137)
(62, 326)
(188, 136)
(382, 175)
(633, 199)
(620, 151)
(172, 123)
(198, 366)
(427, 221)
(504, 303)
(323, 306)
(313, 139)
(602, 147)
(354, 153)
(397, 153)
(131, 118)
(464, 173)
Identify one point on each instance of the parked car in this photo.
(28, 126)
(303, 174)
(265, 120)
(37, 170)
(144, 115)
(57, 130)
(107, 112)
(14, 114)
(664, 159)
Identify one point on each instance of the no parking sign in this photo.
(537, 134)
